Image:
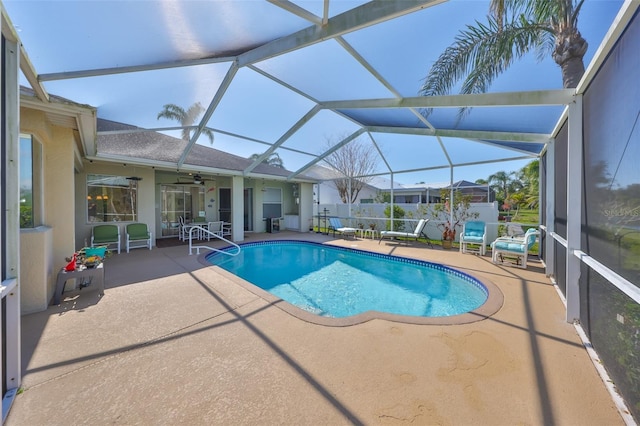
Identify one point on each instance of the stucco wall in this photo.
(146, 199)
(52, 244)
(37, 275)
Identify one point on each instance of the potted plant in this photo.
(448, 235)
(443, 214)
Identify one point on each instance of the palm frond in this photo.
(192, 114)
(482, 52)
(498, 50)
(172, 112)
(208, 133)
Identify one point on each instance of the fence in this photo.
(366, 214)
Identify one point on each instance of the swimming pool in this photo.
(336, 282)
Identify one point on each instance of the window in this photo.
(30, 182)
(272, 203)
(111, 199)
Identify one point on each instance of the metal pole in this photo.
(391, 211)
(451, 197)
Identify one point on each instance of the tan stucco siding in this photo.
(147, 203)
(44, 249)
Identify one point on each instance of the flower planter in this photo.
(447, 244)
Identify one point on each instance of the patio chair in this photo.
(105, 235)
(417, 233)
(475, 233)
(514, 230)
(505, 248)
(336, 225)
(215, 228)
(137, 233)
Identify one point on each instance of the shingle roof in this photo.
(154, 146)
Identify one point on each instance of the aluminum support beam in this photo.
(228, 78)
(550, 208)
(529, 98)
(10, 344)
(308, 116)
(574, 208)
(368, 14)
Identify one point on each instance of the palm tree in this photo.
(515, 27)
(529, 175)
(502, 183)
(273, 160)
(185, 118)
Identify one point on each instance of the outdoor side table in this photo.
(94, 275)
(373, 233)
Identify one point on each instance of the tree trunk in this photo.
(568, 53)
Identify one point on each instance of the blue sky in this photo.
(64, 36)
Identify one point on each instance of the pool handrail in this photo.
(205, 231)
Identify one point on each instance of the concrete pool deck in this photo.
(173, 341)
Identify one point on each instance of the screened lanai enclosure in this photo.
(301, 80)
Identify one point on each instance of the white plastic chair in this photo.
(215, 228)
(505, 248)
(475, 233)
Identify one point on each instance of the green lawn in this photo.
(523, 216)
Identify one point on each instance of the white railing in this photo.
(624, 285)
(204, 231)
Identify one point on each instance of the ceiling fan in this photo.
(192, 179)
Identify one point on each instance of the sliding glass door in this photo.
(180, 200)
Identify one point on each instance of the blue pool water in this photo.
(340, 282)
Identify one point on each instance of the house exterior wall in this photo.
(150, 199)
(306, 207)
(289, 205)
(326, 193)
(147, 201)
(211, 195)
(45, 248)
(37, 269)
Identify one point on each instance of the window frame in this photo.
(268, 201)
(36, 187)
(94, 194)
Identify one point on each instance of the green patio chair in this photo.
(137, 233)
(105, 235)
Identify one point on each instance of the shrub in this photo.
(398, 213)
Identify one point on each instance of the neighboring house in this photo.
(431, 192)
(325, 192)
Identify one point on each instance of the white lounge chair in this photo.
(505, 248)
(336, 225)
(417, 233)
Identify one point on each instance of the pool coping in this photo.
(494, 302)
